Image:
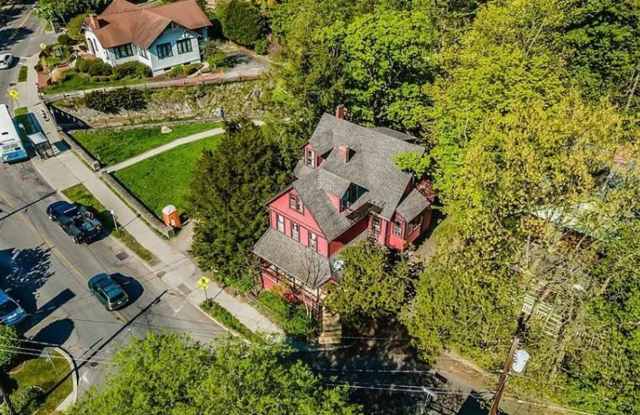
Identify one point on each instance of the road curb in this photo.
(73, 396)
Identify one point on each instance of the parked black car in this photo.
(108, 291)
(76, 220)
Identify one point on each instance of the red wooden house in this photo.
(348, 188)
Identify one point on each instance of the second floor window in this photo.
(397, 228)
(295, 232)
(295, 203)
(164, 50)
(184, 46)
(310, 158)
(313, 241)
(280, 222)
(123, 51)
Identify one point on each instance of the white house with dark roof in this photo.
(348, 188)
(160, 37)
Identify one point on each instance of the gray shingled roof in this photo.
(293, 258)
(414, 204)
(371, 167)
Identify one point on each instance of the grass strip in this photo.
(44, 373)
(224, 317)
(22, 74)
(81, 195)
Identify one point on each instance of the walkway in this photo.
(176, 269)
(166, 147)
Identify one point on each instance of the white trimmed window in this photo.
(280, 222)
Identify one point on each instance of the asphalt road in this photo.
(47, 273)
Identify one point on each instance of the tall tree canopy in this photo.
(171, 375)
(228, 194)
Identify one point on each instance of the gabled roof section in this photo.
(414, 204)
(124, 22)
(370, 166)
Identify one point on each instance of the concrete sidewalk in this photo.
(166, 147)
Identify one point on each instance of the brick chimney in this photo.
(341, 112)
(344, 152)
(93, 22)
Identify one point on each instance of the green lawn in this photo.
(224, 317)
(81, 195)
(165, 178)
(79, 81)
(111, 146)
(292, 318)
(45, 373)
(22, 74)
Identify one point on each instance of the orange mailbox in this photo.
(171, 217)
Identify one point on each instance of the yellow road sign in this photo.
(13, 94)
(203, 282)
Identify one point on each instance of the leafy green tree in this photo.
(601, 42)
(9, 340)
(74, 27)
(370, 285)
(242, 22)
(229, 192)
(60, 11)
(171, 374)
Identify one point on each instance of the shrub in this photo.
(192, 68)
(93, 67)
(74, 27)
(217, 60)
(65, 39)
(291, 317)
(113, 101)
(131, 69)
(9, 339)
(176, 71)
(262, 46)
(25, 401)
(242, 22)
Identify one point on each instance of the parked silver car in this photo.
(6, 59)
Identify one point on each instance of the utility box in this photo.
(171, 217)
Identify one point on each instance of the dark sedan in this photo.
(108, 291)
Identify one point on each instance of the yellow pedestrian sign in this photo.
(203, 282)
(13, 94)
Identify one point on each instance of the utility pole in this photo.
(502, 382)
(520, 358)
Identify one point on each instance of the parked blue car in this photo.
(10, 312)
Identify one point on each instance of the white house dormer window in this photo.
(310, 158)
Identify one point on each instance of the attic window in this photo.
(310, 158)
(352, 194)
(295, 203)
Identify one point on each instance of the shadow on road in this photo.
(23, 272)
(130, 285)
(10, 36)
(56, 332)
(47, 309)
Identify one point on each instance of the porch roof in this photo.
(306, 265)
